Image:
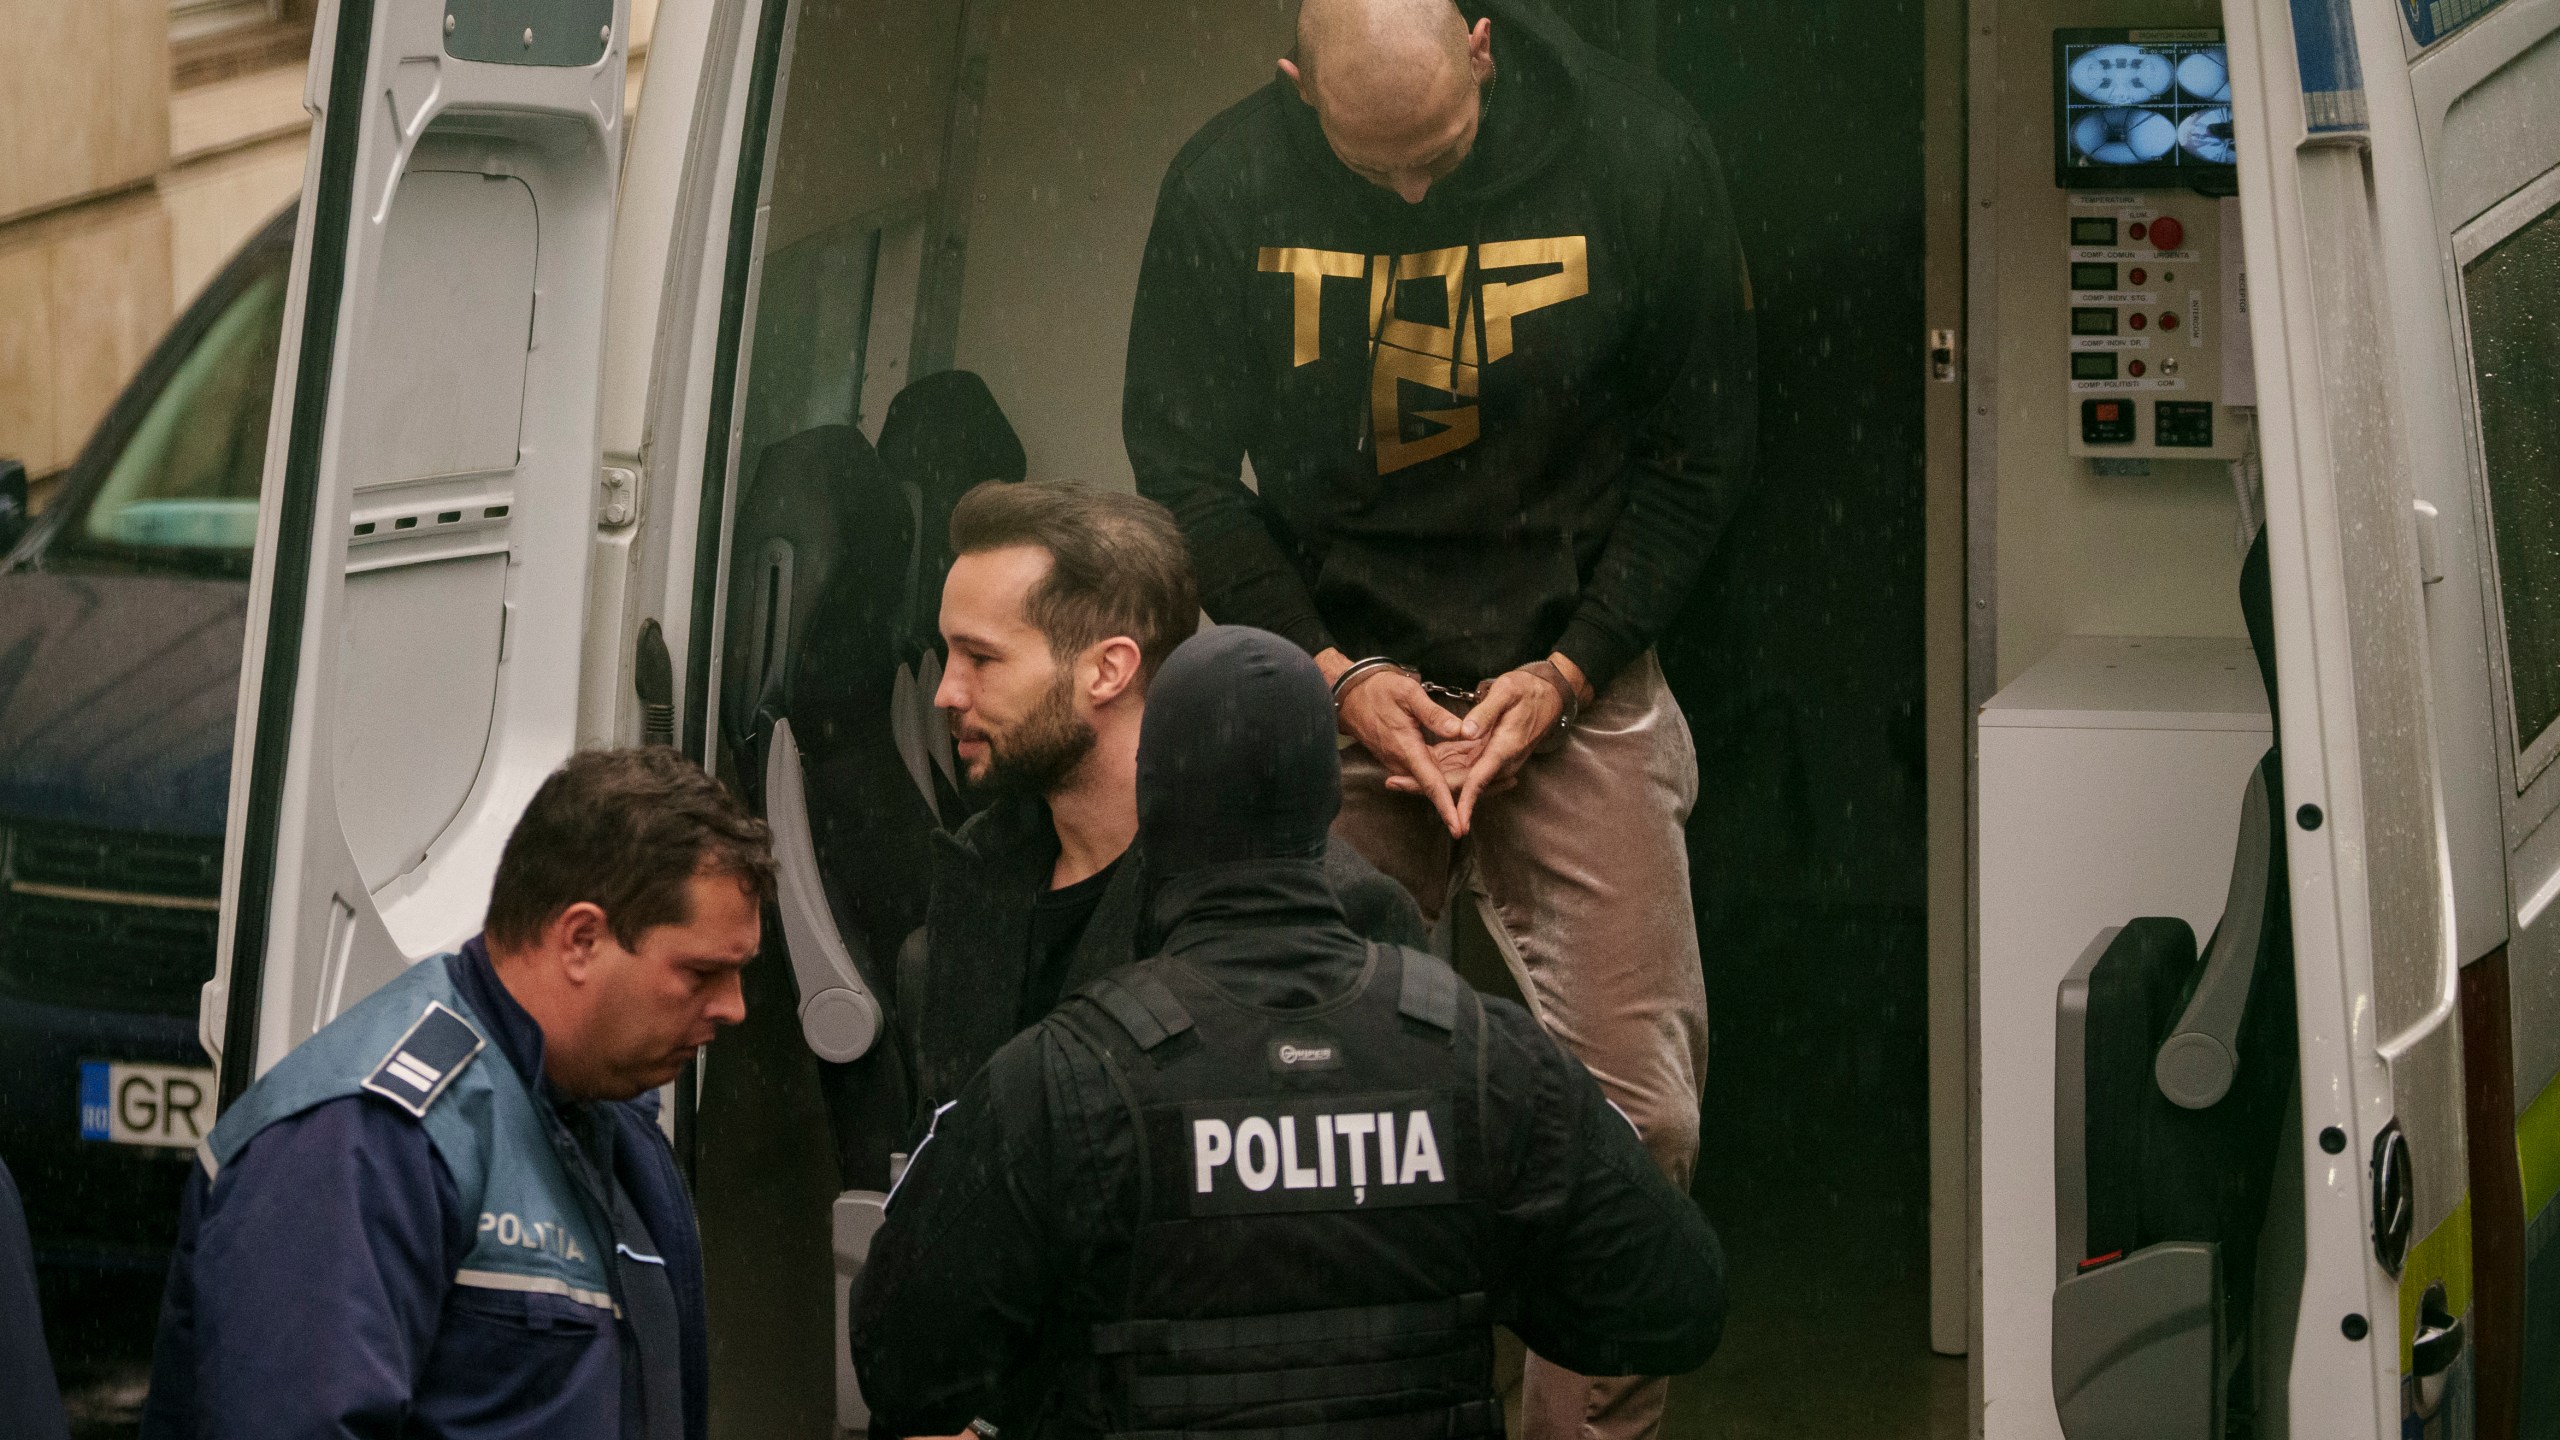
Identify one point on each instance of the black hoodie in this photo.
(1563, 495)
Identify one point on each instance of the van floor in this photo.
(1813, 1167)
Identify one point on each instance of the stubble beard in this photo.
(1038, 754)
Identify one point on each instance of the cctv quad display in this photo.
(2142, 110)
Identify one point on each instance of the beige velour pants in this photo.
(1581, 873)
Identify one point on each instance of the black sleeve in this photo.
(1692, 454)
(947, 1310)
(1185, 413)
(1625, 1277)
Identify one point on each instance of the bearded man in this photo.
(1063, 601)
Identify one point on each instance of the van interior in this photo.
(954, 206)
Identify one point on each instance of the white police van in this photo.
(537, 372)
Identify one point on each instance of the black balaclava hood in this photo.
(1236, 756)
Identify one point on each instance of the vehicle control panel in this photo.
(2158, 326)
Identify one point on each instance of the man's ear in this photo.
(1115, 665)
(1480, 50)
(1289, 68)
(578, 935)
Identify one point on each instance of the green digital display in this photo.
(2093, 365)
(2092, 275)
(2093, 320)
(2093, 229)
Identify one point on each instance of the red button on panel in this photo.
(2138, 275)
(2137, 320)
(2168, 319)
(2167, 233)
(2135, 369)
(2136, 230)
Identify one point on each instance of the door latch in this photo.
(1942, 356)
(2395, 1203)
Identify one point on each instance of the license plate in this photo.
(134, 1104)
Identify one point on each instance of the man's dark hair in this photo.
(1117, 564)
(627, 830)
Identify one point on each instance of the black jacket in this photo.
(960, 984)
(1566, 495)
(1011, 1231)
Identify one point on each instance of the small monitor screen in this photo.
(2093, 229)
(2093, 275)
(2142, 109)
(2093, 365)
(2093, 320)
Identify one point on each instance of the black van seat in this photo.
(819, 554)
(2172, 1072)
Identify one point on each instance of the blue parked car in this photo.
(120, 638)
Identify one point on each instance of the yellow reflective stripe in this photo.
(2445, 1254)
(2538, 1149)
(534, 1285)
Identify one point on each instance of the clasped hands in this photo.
(1449, 759)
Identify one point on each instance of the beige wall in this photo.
(1082, 117)
(83, 99)
(83, 294)
(84, 245)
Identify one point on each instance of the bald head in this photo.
(1396, 85)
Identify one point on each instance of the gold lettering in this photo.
(1441, 357)
(1306, 269)
(1386, 408)
(1506, 300)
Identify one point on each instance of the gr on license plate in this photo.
(134, 1104)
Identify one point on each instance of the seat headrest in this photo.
(846, 528)
(944, 434)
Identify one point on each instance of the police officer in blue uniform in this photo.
(1277, 1180)
(451, 1212)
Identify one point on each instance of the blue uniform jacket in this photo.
(312, 1294)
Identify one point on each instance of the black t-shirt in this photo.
(1058, 919)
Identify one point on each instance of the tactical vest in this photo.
(1308, 1258)
(417, 1043)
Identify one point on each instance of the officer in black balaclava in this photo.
(1275, 1176)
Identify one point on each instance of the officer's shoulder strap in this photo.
(1430, 990)
(1140, 1004)
(438, 1046)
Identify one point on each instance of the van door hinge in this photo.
(620, 502)
(1942, 356)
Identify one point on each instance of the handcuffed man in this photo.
(1468, 295)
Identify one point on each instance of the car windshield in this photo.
(182, 493)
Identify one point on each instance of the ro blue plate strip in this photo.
(94, 1100)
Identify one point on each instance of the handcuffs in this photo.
(1460, 701)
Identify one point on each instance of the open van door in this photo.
(419, 594)
(2397, 168)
